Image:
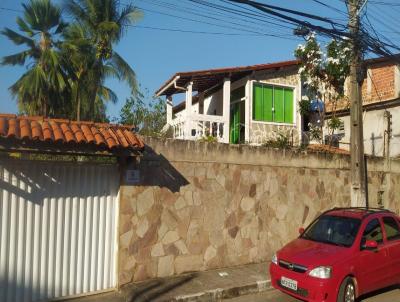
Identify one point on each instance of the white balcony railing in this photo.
(199, 126)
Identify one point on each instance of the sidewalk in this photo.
(202, 286)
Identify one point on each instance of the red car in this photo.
(343, 254)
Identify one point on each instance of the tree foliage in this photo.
(39, 89)
(147, 114)
(68, 64)
(324, 75)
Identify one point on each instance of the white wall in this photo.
(375, 124)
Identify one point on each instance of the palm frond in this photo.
(17, 38)
(16, 59)
(124, 70)
(107, 94)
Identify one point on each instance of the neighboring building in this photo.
(249, 104)
(380, 93)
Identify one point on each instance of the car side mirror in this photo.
(301, 231)
(370, 245)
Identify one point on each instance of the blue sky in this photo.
(157, 54)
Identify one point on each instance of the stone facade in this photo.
(200, 206)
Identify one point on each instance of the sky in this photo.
(157, 48)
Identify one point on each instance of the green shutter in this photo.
(279, 112)
(289, 106)
(258, 102)
(235, 123)
(268, 104)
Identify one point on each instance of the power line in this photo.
(204, 32)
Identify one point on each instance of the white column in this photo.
(188, 111)
(226, 103)
(169, 109)
(247, 113)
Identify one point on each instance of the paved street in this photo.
(275, 296)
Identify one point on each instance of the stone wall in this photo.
(200, 206)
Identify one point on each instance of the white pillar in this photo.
(169, 109)
(247, 117)
(188, 110)
(226, 104)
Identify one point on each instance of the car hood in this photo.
(311, 253)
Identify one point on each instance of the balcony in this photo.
(200, 126)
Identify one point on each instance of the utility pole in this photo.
(358, 173)
(388, 134)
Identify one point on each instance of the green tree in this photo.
(146, 114)
(324, 76)
(39, 89)
(99, 25)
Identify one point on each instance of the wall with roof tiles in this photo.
(200, 206)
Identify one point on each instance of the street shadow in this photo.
(157, 288)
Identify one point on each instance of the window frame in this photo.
(381, 242)
(267, 83)
(384, 228)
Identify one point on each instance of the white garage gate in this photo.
(57, 229)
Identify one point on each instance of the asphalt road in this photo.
(275, 296)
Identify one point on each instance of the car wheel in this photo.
(347, 291)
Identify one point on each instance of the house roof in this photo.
(206, 79)
(327, 149)
(36, 133)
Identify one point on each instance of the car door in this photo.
(372, 265)
(392, 237)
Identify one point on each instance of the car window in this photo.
(391, 228)
(373, 231)
(336, 230)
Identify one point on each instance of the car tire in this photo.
(347, 291)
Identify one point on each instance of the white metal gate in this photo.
(57, 229)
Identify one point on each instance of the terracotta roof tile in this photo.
(72, 133)
(3, 126)
(37, 133)
(88, 133)
(327, 149)
(78, 133)
(47, 132)
(25, 127)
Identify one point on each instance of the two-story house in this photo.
(381, 109)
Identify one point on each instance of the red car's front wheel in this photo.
(347, 291)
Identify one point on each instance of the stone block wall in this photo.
(200, 206)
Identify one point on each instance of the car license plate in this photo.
(289, 283)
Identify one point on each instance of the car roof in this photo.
(356, 212)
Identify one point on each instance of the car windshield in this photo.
(336, 230)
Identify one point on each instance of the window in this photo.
(334, 230)
(391, 228)
(273, 103)
(373, 231)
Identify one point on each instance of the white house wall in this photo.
(375, 126)
(57, 229)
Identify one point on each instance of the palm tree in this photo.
(38, 89)
(99, 25)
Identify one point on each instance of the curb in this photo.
(225, 293)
